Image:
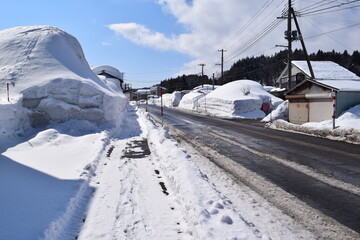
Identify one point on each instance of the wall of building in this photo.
(298, 111)
(320, 110)
(346, 100)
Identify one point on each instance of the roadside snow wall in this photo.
(169, 99)
(50, 79)
(190, 101)
(241, 98)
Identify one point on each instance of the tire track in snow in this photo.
(329, 180)
(130, 202)
(159, 214)
(315, 221)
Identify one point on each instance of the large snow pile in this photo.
(50, 79)
(190, 100)
(281, 112)
(241, 98)
(347, 127)
(169, 99)
(172, 99)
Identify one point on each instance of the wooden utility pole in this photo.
(303, 44)
(213, 81)
(289, 38)
(202, 72)
(222, 65)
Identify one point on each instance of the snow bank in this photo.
(190, 101)
(44, 180)
(242, 98)
(281, 112)
(50, 79)
(347, 127)
(169, 99)
(172, 100)
(210, 215)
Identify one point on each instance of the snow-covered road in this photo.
(130, 202)
(138, 183)
(148, 188)
(160, 193)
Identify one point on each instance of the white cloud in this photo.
(212, 25)
(106, 44)
(141, 35)
(209, 22)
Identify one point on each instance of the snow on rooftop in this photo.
(143, 91)
(326, 70)
(107, 69)
(342, 85)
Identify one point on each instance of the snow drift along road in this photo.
(50, 79)
(241, 98)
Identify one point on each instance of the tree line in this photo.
(264, 69)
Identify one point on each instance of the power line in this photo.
(156, 72)
(342, 9)
(256, 39)
(327, 34)
(335, 30)
(255, 24)
(313, 11)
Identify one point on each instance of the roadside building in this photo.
(313, 101)
(323, 70)
(111, 74)
(155, 90)
(142, 94)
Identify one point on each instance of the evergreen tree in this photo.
(264, 69)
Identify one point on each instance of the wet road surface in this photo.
(273, 154)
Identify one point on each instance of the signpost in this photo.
(8, 91)
(333, 94)
(161, 107)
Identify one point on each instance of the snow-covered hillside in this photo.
(50, 79)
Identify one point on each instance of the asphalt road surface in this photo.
(322, 173)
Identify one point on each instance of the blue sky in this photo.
(151, 40)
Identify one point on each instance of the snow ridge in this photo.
(211, 216)
(68, 224)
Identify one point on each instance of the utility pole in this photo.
(222, 65)
(213, 81)
(289, 38)
(202, 72)
(303, 44)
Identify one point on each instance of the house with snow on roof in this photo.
(110, 74)
(334, 90)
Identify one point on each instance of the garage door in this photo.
(299, 112)
(320, 110)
